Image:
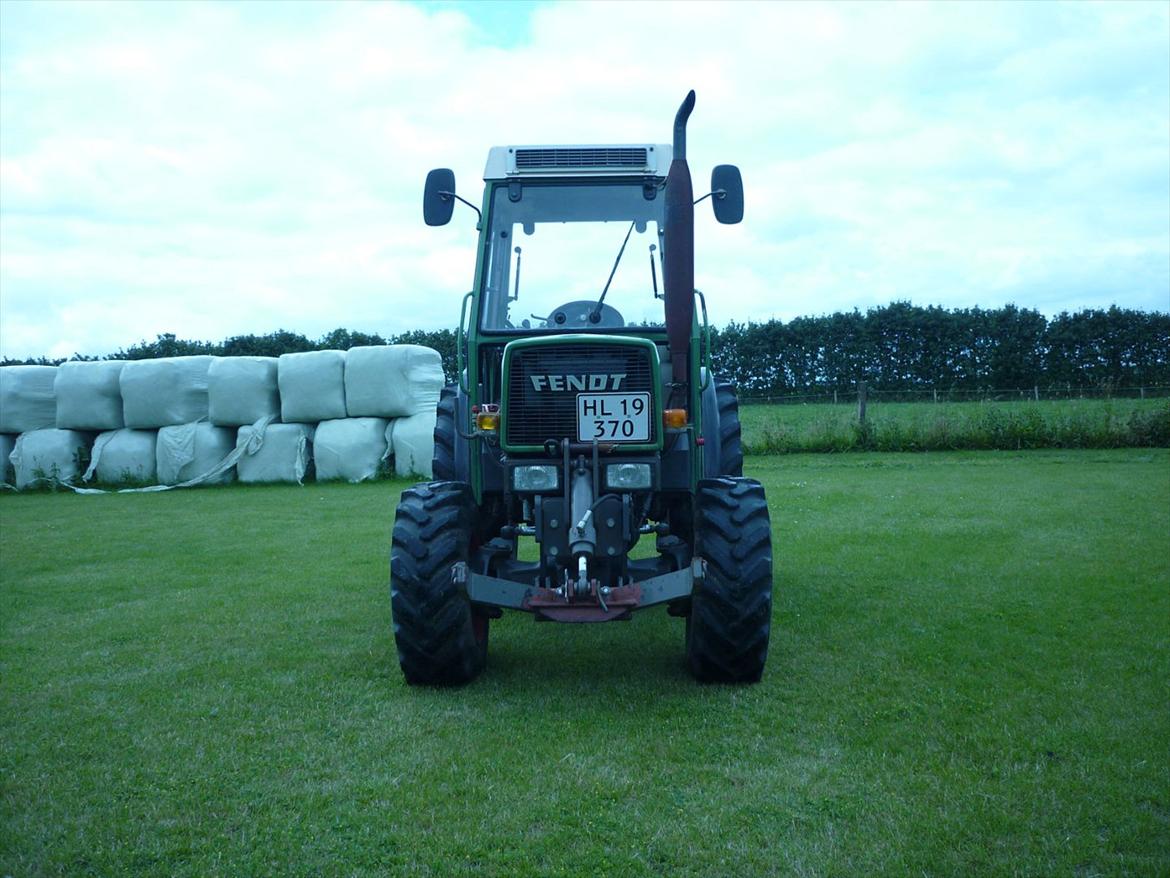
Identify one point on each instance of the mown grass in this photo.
(924, 426)
(970, 674)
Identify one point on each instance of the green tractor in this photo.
(586, 417)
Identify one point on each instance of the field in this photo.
(950, 426)
(970, 674)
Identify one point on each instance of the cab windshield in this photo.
(552, 249)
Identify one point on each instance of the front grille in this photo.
(533, 417)
(595, 157)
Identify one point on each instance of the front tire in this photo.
(439, 641)
(731, 610)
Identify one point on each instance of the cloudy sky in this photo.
(217, 169)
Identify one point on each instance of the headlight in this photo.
(628, 476)
(534, 478)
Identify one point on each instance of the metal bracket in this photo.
(672, 586)
(493, 590)
(498, 592)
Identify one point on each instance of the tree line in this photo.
(896, 347)
(904, 347)
(282, 341)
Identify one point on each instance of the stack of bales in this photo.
(89, 398)
(170, 396)
(369, 404)
(36, 450)
(181, 420)
(401, 382)
(244, 393)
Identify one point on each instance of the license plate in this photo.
(613, 417)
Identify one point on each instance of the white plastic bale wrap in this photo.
(188, 451)
(392, 381)
(89, 395)
(312, 386)
(7, 443)
(27, 400)
(49, 456)
(242, 390)
(166, 392)
(124, 456)
(353, 449)
(279, 453)
(413, 442)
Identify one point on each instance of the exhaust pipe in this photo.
(678, 269)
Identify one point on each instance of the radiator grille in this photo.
(533, 417)
(617, 157)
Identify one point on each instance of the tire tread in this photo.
(443, 459)
(730, 432)
(731, 612)
(431, 614)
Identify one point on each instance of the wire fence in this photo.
(937, 395)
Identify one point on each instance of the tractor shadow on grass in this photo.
(562, 654)
(644, 654)
(546, 661)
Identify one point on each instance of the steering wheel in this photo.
(575, 315)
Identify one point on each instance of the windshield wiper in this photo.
(595, 314)
(516, 292)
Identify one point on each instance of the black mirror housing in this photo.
(727, 184)
(439, 197)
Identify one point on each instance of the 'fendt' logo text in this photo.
(577, 382)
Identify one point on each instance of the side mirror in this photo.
(439, 197)
(727, 186)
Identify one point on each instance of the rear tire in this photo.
(730, 434)
(443, 461)
(439, 642)
(731, 610)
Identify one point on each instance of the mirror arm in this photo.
(444, 194)
(719, 193)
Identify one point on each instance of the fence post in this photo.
(1036, 392)
(834, 396)
(936, 394)
(861, 402)
(1143, 391)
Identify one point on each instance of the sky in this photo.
(214, 169)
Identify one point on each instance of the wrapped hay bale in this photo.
(166, 392)
(278, 453)
(27, 400)
(413, 443)
(392, 381)
(191, 452)
(312, 386)
(123, 457)
(49, 456)
(354, 449)
(242, 390)
(89, 395)
(7, 443)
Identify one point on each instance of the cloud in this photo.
(211, 169)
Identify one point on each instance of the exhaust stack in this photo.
(678, 269)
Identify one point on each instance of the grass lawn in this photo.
(970, 674)
(949, 426)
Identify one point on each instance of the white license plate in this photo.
(613, 417)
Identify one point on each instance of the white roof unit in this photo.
(605, 160)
